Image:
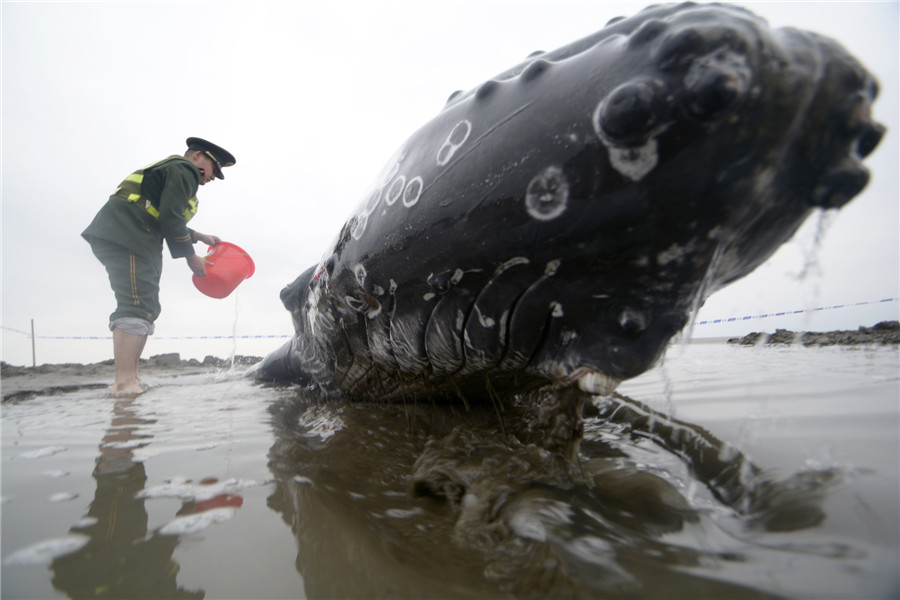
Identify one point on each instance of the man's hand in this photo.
(198, 264)
(209, 240)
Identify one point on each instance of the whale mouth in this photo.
(592, 381)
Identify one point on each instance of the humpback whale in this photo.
(556, 226)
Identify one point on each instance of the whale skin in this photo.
(560, 223)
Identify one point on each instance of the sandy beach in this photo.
(18, 383)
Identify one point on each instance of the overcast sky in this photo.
(313, 99)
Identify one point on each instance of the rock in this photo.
(212, 361)
(782, 336)
(172, 359)
(883, 333)
(751, 339)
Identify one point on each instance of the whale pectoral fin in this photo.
(766, 503)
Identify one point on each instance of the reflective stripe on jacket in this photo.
(130, 189)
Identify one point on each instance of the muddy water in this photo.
(164, 495)
(727, 472)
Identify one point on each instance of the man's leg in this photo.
(137, 360)
(129, 336)
(135, 282)
(127, 348)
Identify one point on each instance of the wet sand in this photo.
(19, 383)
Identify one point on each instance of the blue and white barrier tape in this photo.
(258, 337)
(157, 337)
(791, 312)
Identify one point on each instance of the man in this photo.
(152, 204)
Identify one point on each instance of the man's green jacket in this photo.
(152, 204)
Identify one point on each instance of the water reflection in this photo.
(430, 501)
(120, 560)
(360, 532)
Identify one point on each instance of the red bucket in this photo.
(229, 266)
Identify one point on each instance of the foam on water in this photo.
(197, 522)
(56, 473)
(85, 522)
(528, 526)
(185, 490)
(62, 497)
(43, 553)
(321, 421)
(397, 513)
(43, 452)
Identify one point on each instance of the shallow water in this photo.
(210, 484)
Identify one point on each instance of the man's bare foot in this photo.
(128, 389)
